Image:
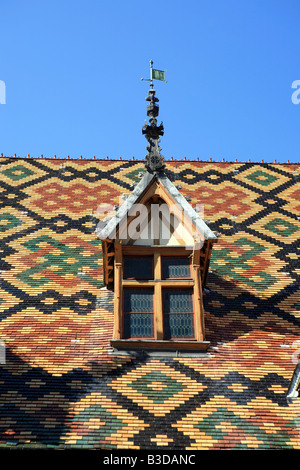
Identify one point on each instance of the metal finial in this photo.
(152, 132)
(154, 160)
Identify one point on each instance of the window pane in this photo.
(138, 300)
(178, 313)
(138, 313)
(139, 325)
(179, 325)
(138, 267)
(178, 301)
(176, 268)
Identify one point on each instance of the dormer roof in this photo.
(108, 230)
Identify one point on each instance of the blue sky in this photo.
(72, 73)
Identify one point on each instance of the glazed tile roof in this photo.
(61, 387)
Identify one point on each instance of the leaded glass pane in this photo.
(139, 325)
(138, 300)
(138, 313)
(138, 267)
(179, 325)
(177, 301)
(176, 268)
(178, 313)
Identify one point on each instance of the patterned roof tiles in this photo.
(61, 387)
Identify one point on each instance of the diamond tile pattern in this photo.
(60, 386)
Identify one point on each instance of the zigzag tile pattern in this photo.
(59, 385)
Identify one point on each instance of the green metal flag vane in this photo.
(155, 74)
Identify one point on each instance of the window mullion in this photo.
(158, 297)
(198, 304)
(158, 311)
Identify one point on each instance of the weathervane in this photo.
(152, 132)
(155, 75)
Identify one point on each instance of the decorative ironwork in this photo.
(152, 132)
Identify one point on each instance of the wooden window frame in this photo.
(158, 284)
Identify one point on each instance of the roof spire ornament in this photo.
(154, 160)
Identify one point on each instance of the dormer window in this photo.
(157, 280)
(157, 291)
(158, 297)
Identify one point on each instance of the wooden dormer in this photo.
(156, 250)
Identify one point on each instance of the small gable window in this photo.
(158, 298)
(157, 267)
